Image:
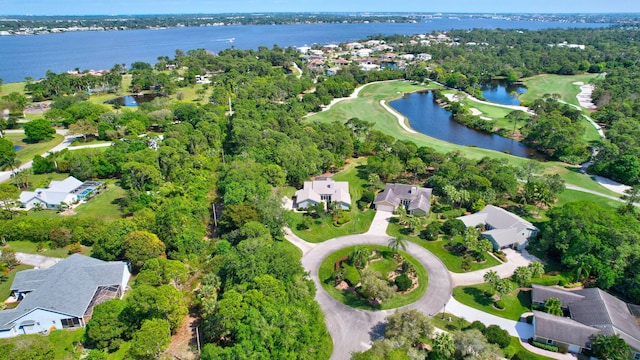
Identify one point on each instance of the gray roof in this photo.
(55, 194)
(539, 294)
(312, 190)
(67, 185)
(499, 220)
(563, 329)
(505, 237)
(419, 197)
(66, 287)
(597, 309)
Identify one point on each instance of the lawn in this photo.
(5, 285)
(63, 342)
(358, 182)
(516, 303)
(30, 247)
(568, 196)
(104, 205)
(8, 88)
(452, 262)
(367, 107)
(539, 85)
(28, 150)
(515, 347)
(322, 230)
(348, 298)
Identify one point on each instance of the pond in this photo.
(17, 147)
(429, 118)
(500, 92)
(132, 100)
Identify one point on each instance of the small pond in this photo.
(429, 118)
(502, 93)
(17, 147)
(132, 100)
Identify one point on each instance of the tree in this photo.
(106, 330)
(504, 286)
(522, 275)
(374, 288)
(444, 347)
(536, 268)
(7, 154)
(492, 278)
(610, 347)
(162, 302)
(151, 340)
(453, 227)
(140, 246)
(412, 325)
(398, 242)
(359, 257)
(84, 128)
(38, 130)
(497, 335)
(553, 306)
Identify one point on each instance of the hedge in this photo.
(544, 346)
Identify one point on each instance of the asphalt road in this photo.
(354, 330)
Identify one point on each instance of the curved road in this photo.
(352, 329)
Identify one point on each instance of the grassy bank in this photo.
(515, 303)
(29, 150)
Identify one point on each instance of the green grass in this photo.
(451, 261)
(357, 181)
(516, 303)
(539, 85)
(30, 150)
(456, 323)
(29, 247)
(8, 88)
(5, 285)
(104, 205)
(63, 342)
(367, 107)
(515, 347)
(568, 196)
(324, 230)
(348, 298)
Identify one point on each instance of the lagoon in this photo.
(500, 92)
(428, 117)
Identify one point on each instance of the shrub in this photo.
(544, 346)
(478, 325)
(501, 255)
(496, 335)
(403, 282)
(453, 227)
(499, 304)
(343, 217)
(75, 248)
(351, 275)
(546, 281)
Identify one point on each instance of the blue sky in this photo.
(110, 7)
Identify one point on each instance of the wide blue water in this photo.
(22, 56)
(502, 93)
(429, 118)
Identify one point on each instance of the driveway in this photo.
(353, 329)
(514, 260)
(37, 261)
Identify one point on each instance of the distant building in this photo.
(417, 200)
(323, 189)
(591, 312)
(424, 57)
(62, 296)
(59, 193)
(503, 229)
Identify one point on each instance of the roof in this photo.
(505, 237)
(597, 309)
(505, 228)
(66, 287)
(394, 194)
(539, 294)
(563, 329)
(57, 192)
(67, 185)
(313, 190)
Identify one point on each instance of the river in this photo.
(33, 56)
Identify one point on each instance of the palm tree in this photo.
(444, 346)
(359, 257)
(492, 278)
(537, 269)
(553, 306)
(396, 243)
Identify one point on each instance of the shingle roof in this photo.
(562, 329)
(539, 294)
(66, 287)
(67, 185)
(419, 197)
(499, 220)
(312, 190)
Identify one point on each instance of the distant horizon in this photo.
(193, 7)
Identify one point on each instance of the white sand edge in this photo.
(401, 119)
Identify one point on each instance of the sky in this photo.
(129, 7)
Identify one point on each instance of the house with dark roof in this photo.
(59, 193)
(416, 200)
(323, 190)
(503, 228)
(63, 295)
(591, 312)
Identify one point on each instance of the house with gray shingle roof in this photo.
(59, 193)
(417, 200)
(323, 190)
(592, 312)
(503, 228)
(63, 295)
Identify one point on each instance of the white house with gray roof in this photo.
(416, 199)
(323, 190)
(591, 312)
(63, 295)
(59, 193)
(503, 228)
